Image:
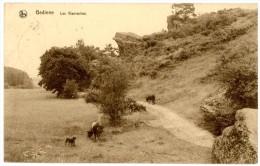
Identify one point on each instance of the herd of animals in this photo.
(97, 128)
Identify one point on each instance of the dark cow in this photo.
(150, 99)
(71, 141)
(96, 129)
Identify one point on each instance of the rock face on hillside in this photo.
(238, 143)
(128, 43)
(174, 22)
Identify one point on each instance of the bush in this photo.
(113, 92)
(237, 72)
(112, 81)
(206, 23)
(241, 82)
(183, 55)
(222, 115)
(92, 97)
(70, 90)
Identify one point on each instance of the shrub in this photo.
(222, 115)
(183, 55)
(206, 23)
(113, 92)
(241, 82)
(237, 72)
(70, 90)
(149, 41)
(92, 97)
(113, 83)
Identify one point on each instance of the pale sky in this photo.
(26, 39)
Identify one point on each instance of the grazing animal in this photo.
(141, 107)
(150, 99)
(90, 133)
(134, 107)
(130, 104)
(71, 141)
(96, 130)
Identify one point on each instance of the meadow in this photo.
(36, 125)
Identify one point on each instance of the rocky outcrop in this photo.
(128, 43)
(238, 143)
(174, 22)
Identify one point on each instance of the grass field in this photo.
(36, 125)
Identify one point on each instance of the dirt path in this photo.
(178, 126)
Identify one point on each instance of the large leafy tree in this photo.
(184, 10)
(61, 64)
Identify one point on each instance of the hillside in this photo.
(177, 65)
(17, 78)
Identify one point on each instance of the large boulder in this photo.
(128, 43)
(238, 143)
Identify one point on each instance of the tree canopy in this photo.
(17, 78)
(68, 63)
(184, 10)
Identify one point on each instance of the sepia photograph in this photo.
(164, 83)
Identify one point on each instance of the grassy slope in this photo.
(180, 87)
(182, 90)
(36, 119)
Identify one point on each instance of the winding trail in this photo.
(178, 126)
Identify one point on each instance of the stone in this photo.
(238, 143)
(128, 43)
(174, 22)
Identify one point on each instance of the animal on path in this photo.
(71, 141)
(150, 99)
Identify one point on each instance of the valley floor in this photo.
(36, 125)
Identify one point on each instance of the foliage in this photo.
(113, 90)
(111, 51)
(184, 10)
(92, 97)
(17, 78)
(240, 78)
(223, 115)
(70, 90)
(208, 23)
(111, 82)
(237, 71)
(67, 63)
